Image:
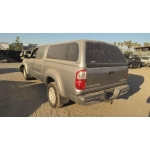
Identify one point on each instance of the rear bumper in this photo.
(102, 96)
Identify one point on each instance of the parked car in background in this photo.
(27, 50)
(83, 71)
(133, 61)
(145, 61)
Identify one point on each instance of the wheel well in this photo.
(49, 79)
(21, 68)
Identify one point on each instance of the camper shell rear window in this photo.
(103, 55)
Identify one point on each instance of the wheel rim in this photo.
(52, 95)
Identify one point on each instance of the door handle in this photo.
(111, 72)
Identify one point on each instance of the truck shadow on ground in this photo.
(148, 99)
(21, 99)
(134, 82)
(69, 104)
(8, 70)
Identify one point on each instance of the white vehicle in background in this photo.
(27, 50)
(145, 61)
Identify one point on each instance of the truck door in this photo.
(30, 62)
(38, 62)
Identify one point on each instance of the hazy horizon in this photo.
(48, 38)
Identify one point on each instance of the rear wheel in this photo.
(54, 98)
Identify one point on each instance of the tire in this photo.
(54, 99)
(139, 65)
(130, 66)
(25, 74)
(148, 65)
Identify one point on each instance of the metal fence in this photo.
(5, 54)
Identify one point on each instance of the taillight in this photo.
(80, 81)
(127, 76)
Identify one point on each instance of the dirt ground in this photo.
(22, 98)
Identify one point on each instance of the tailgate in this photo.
(105, 75)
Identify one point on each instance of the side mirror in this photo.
(26, 56)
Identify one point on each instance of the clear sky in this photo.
(48, 38)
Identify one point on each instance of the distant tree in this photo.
(124, 43)
(129, 44)
(115, 43)
(11, 47)
(18, 45)
(119, 45)
(122, 46)
(146, 44)
(139, 45)
(135, 45)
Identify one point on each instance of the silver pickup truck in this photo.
(84, 71)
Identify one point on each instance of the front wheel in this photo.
(25, 74)
(54, 99)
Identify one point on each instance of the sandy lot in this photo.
(28, 98)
